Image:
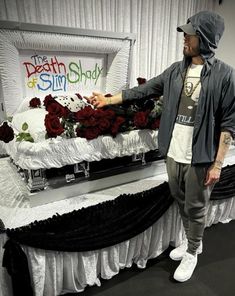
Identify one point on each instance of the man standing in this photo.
(196, 128)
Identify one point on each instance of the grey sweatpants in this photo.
(186, 184)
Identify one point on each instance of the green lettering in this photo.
(74, 69)
(99, 73)
(88, 75)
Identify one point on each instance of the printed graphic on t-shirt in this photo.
(187, 110)
(181, 141)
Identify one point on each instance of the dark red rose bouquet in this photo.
(88, 122)
(91, 123)
(95, 122)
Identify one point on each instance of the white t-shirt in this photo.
(181, 142)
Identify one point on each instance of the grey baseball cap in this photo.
(187, 28)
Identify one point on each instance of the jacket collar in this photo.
(206, 68)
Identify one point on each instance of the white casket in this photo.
(37, 60)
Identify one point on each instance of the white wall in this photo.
(226, 49)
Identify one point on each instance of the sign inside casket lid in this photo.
(37, 60)
(61, 73)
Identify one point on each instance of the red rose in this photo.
(109, 114)
(98, 114)
(104, 124)
(47, 100)
(141, 80)
(56, 109)
(91, 122)
(53, 126)
(35, 102)
(80, 132)
(6, 133)
(86, 116)
(155, 124)
(84, 113)
(116, 125)
(91, 132)
(141, 119)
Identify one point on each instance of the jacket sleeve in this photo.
(151, 89)
(228, 106)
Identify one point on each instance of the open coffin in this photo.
(35, 64)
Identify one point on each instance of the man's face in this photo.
(191, 45)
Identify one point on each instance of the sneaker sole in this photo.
(176, 258)
(183, 280)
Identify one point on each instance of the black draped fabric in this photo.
(16, 264)
(2, 226)
(91, 228)
(225, 188)
(98, 226)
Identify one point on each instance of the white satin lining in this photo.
(59, 152)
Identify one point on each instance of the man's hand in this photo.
(98, 100)
(212, 176)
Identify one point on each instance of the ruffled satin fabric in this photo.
(58, 152)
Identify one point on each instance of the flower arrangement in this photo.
(73, 116)
(90, 123)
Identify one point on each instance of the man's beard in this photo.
(191, 53)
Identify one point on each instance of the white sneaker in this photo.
(178, 253)
(186, 268)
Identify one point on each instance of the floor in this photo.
(214, 274)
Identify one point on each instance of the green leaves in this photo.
(25, 126)
(69, 128)
(24, 136)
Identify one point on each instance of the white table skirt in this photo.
(56, 273)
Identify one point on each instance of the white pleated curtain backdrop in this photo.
(153, 21)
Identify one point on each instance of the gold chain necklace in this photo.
(192, 90)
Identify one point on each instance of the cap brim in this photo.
(187, 28)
